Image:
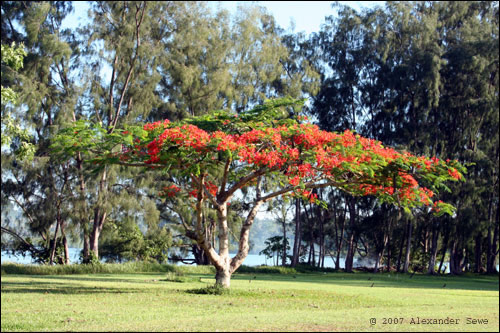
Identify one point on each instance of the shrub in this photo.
(210, 290)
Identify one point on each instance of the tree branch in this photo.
(31, 247)
(129, 74)
(242, 182)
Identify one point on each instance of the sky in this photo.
(307, 16)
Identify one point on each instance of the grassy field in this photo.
(256, 302)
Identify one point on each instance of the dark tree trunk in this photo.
(478, 266)
(312, 255)
(311, 223)
(321, 261)
(349, 260)
(492, 243)
(200, 257)
(400, 255)
(283, 258)
(54, 241)
(434, 250)
(83, 222)
(340, 239)
(66, 251)
(339, 250)
(409, 228)
(453, 269)
(65, 244)
(86, 244)
(388, 246)
(297, 239)
(457, 258)
(444, 249)
(380, 254)
(426, 241)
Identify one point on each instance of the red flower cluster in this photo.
(303, 150)
(157, 124)
(369, 189)
(211, 187)
(454, 173)
(435, 206)
(308, 195)
(170, 191)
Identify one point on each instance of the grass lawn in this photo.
(257, 302)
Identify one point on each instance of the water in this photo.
(74, 255)
(251, 259)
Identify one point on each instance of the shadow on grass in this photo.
(383, 280)
(98, 278)
(63, 284)
(62, 288)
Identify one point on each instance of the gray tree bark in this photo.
(409, 227)
(434, 250)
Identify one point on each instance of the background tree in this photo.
(421, 76)
(40, 188)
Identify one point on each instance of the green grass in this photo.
(146, 267)
(129, 267)
(174, 301)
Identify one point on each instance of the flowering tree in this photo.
(210, 158)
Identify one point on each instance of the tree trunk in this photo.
(86, 244)
(388, 246)
(223, 278)
(283, 257)
(65, 244)
(492, 243)
(380, 254)
(223, 275)
(434, 249)
(297, 239)
(489, 248)
(478, 266)
(400, 255)
(312, 255)
(54, 241)
(445, 247)
(409, 227)
(200, 256)
(465, 262)
(377, 261)
(311, 223)
(99, 217)
(243, 246)
(349, 260)
(457, 258)
(494, 253)
(426, 241)
(66, 251)
(340, 239)
(84, 224)
(389, 254)
(453, 270)
(94, 240)
(321, 259)
(96, 231)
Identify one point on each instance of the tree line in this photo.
(418, 76)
